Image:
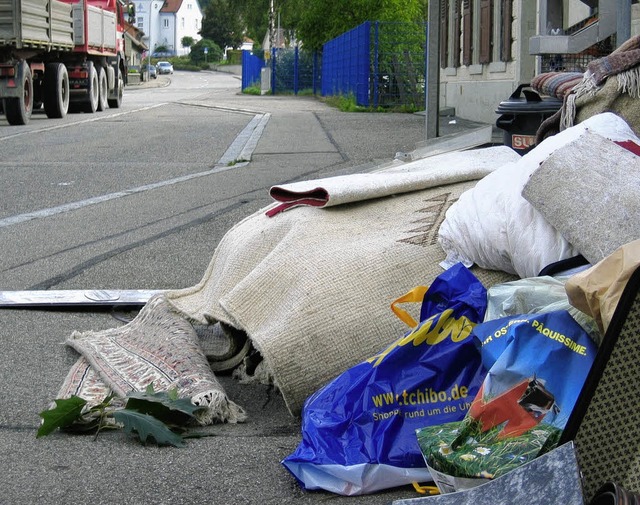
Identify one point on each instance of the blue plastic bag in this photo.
(536, 367)
(358, 432)
(549, 352)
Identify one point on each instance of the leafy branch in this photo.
(160, 416)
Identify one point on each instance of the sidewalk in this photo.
(449, 124)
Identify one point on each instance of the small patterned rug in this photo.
(159, 348)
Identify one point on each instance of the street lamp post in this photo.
(149, 37)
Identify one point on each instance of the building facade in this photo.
(484, 53)
(166, 22)
(489, 47)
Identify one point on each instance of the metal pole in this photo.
(376, 67)
(271, 26)
(432, 79)
(150, 28)
(623, 21)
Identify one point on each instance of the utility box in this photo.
(265, 80)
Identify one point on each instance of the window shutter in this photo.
(467, 32)
(444, 33)
(486, 31)
(507, 21)
(456, 32)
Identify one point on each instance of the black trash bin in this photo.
(521, 116)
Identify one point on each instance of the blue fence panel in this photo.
(294, 70)
(251, 69)
(398, 75)
(345, 64)
(380, 63)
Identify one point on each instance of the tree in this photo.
(187, 41)
(314, 22)
(255, 17)
(318, 21)
(198, 54)
(222, 24)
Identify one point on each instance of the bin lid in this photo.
(524, 101)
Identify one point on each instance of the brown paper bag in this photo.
(597, 290)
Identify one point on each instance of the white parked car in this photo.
(164, 67)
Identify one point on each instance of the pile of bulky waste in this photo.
(431, 322)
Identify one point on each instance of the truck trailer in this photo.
(65, 55)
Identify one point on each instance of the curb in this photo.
(159, 82)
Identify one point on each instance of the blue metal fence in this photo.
(345, 64)
(294, 70)
(251, 69)
(379, 63)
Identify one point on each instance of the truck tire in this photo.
(115, 103)
(56, 90)
(18, 109)
(90, 105)
(103, 88)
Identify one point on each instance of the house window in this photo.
(189, 6)
(165, 23)
(182, 22)
(140, 22)
(475, 32)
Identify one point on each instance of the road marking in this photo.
(245, 143)
(89, 120)
(67, 207)
(237, 155)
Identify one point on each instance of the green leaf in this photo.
(146, 426)
(66, 412)
(165, 406)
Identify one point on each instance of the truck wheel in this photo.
(115, 103)
(56, 90)
(103, 86)
(18, 109)
(90, 105)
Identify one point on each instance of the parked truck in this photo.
(65, 55)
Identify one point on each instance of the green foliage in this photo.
(255, 17)
(165, 406)
(146, 426)
(198, 56)
(66, 412)
(254, 89)
(322, 20)
(314, 22)
(159, 416)
(222, 24)
(234, 57)
(187, 41)
(347, 103)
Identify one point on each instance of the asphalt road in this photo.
(138, 198)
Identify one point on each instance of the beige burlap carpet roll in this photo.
(312, 288)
